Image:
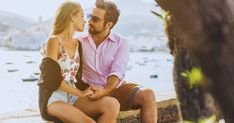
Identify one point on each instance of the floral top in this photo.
(69, 66)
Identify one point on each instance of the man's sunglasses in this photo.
(93, 18)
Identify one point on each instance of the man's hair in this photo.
(112, 12)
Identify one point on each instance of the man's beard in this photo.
(94, 31)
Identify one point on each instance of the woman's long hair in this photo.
(63, 16)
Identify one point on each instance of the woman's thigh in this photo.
(67, 112)
(95, 108)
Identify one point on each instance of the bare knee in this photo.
(112, 105)
(147, 96)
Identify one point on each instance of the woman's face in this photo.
(79, 21)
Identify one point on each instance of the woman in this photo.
(59, 98)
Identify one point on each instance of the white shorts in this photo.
(59, 95)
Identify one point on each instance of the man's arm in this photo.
(117, 72)
(112, 83)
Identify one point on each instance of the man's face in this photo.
(96, 21)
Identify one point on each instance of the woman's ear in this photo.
(73, 18)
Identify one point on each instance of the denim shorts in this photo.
(59, 95)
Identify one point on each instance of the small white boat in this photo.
(30, 62)
(9, 63)
(36, 73)
(12, 70)
(30, 79)
(154, 76)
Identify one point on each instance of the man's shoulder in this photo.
(118, 37)
(82, 37)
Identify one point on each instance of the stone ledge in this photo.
(167, 113)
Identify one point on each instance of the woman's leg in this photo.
(106, 108)
(68, 113)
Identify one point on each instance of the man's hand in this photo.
(87, 92)
(98, 92)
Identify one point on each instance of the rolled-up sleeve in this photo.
(120, 62)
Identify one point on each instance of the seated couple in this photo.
(82, 80)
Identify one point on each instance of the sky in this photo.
(45, 8)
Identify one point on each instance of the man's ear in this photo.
(109, 25)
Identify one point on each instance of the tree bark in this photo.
(192, 101)
(201, 34)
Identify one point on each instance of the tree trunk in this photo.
(200, 34)
(192, 101)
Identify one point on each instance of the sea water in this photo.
(148, 69)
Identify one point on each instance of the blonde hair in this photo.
(63, 14)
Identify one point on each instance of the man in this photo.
(105, 57)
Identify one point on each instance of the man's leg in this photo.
(131, 97)
(145, 99)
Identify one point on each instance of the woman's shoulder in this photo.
(53, 42)
(51, 46)
(53, 39)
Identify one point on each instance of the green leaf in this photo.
(194, 77)
(211, 119)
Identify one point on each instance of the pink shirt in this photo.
(110, 58)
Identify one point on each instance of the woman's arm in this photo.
(74, 91)
(52, 49)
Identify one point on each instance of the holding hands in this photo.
(98, 92)
(87, 92)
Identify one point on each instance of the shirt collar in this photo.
(111, 36)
